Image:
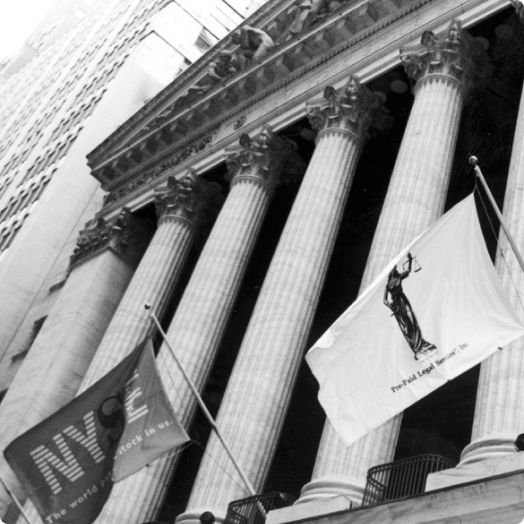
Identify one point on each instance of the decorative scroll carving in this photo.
(153, 173)
(354, 109)
(266, 158)
(127, 235)
(180, 197)
(188, 198)
(239, 123)
(455, 54)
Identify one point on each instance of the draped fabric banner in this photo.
(67, 464)
(437, 310)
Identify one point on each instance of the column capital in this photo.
(126, 235)
(352, 109)
(265, 158)
(182, 199)
(455, 54)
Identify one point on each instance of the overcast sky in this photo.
(17, 19)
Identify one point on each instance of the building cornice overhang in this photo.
(147, 143)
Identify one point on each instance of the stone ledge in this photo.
(497, 500)
(474, 471)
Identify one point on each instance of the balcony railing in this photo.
(253, 510)
(402, 478)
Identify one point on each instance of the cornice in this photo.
(287, 62)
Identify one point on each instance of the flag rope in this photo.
(501, 253)
(210, 419)
(15, 500)
(474, 162)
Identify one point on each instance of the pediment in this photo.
(183, 118)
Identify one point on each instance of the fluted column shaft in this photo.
(49, 377)
(499, 408)
(415, 199)
(199, 322)
(257, 397)
(179, 207)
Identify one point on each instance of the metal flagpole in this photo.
(203, 406)
(473, 161)
(15, 500)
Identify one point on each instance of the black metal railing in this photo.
(402, 478)
(254, 510)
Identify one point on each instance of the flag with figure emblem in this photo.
(434, 312)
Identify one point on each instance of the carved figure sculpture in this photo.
(225, 66)
(305, 14)
(254, 44)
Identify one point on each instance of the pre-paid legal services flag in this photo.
(423, 321)
(67, 464)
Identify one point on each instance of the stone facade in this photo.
(282, 172)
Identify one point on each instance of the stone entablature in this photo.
(181, 109)
(193, 132)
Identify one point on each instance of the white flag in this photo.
(437, 310)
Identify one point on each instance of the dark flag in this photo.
(68, 463)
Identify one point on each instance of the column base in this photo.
(329, 487)
(193, 516)
(481, 459)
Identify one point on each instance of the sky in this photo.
(17, 19)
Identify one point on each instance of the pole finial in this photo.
(473, 160)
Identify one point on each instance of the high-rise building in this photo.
(248, 202)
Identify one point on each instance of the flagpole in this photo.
(203, 406)
(15, 500)
(473, 161)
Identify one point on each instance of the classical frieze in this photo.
(127, 235)
(268, 159)
(352, 109)
(454, 54)
(156, 170)
(222, 84)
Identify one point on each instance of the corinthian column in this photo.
(257, 397)
(202, 314)
(101, 268)
(499, 409)
(179, 209)
(442, 69)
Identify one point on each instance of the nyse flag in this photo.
(67, 464)
(437, 310)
